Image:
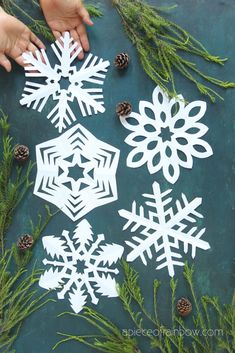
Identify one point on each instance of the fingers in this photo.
(34, 39)
(57, 34)
(19, 60)
(75, 36)
(83, 13)
(32, 48)
(5, 62)
(81, 30)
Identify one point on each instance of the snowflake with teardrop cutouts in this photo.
(166, 135)
(81, 266)
(64, 82)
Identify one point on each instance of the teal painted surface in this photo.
(213, 178)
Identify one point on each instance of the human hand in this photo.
(68, 15)
(15, 39)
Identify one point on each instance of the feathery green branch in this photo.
(111, 339)
(160, 44)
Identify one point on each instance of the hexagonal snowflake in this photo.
(76, 172)
(166, 135)
(64, 82)
(80, 266)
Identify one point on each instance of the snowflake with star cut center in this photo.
(64, 82)
(76, 172)
(80, 267)
(164, 228)
(166, 135)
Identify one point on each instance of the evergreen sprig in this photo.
(161, 45)
(18, 300)
(13, 186)
(208, 313)
(18, 296)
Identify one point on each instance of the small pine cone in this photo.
(25, 242)
(122, 61)
(124, 109)
(21, 153)
(184, 307)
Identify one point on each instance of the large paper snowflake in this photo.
(76, 172)
(80, 266)
(64, 82)
(166, 135)
(165, 229)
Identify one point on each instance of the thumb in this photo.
(5, 62)
(83, 13)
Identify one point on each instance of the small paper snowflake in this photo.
(166, 134)
(164, 229)
(64, 82)
(80, 266)
(76, 172)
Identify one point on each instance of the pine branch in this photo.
(14, 181)
(18, 297)
(160, 44)
(111, 339)
(22, 259)
(94, 10)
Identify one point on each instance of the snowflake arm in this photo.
(91, 71)
(61, 115)
(66, 50)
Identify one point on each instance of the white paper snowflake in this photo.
(64, 82)
(166, 135)
(80, 266)
(76, 172)
(164, 229)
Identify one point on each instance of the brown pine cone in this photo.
(25, 242)
(21, 153)
(124, 109)
(122, 61)
(184, 307)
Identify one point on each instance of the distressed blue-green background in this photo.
(213, 22)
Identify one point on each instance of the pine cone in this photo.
(122, 61)
(25, 242)
(21, 153)
(124, 109)
(184, 307)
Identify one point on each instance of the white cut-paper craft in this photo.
(76, 172)
(81, 266)
(165, 228)
(64, 82)
(166, 134)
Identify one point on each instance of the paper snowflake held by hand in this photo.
(76, 172)
(166, 134)
(164, 229)
(80, 266)
(64, 82)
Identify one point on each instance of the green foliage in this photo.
(208, 313)
(22, 258)
(161, 45)
(13, 186)
(18, 297)
(39, 26)
(94, 10)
